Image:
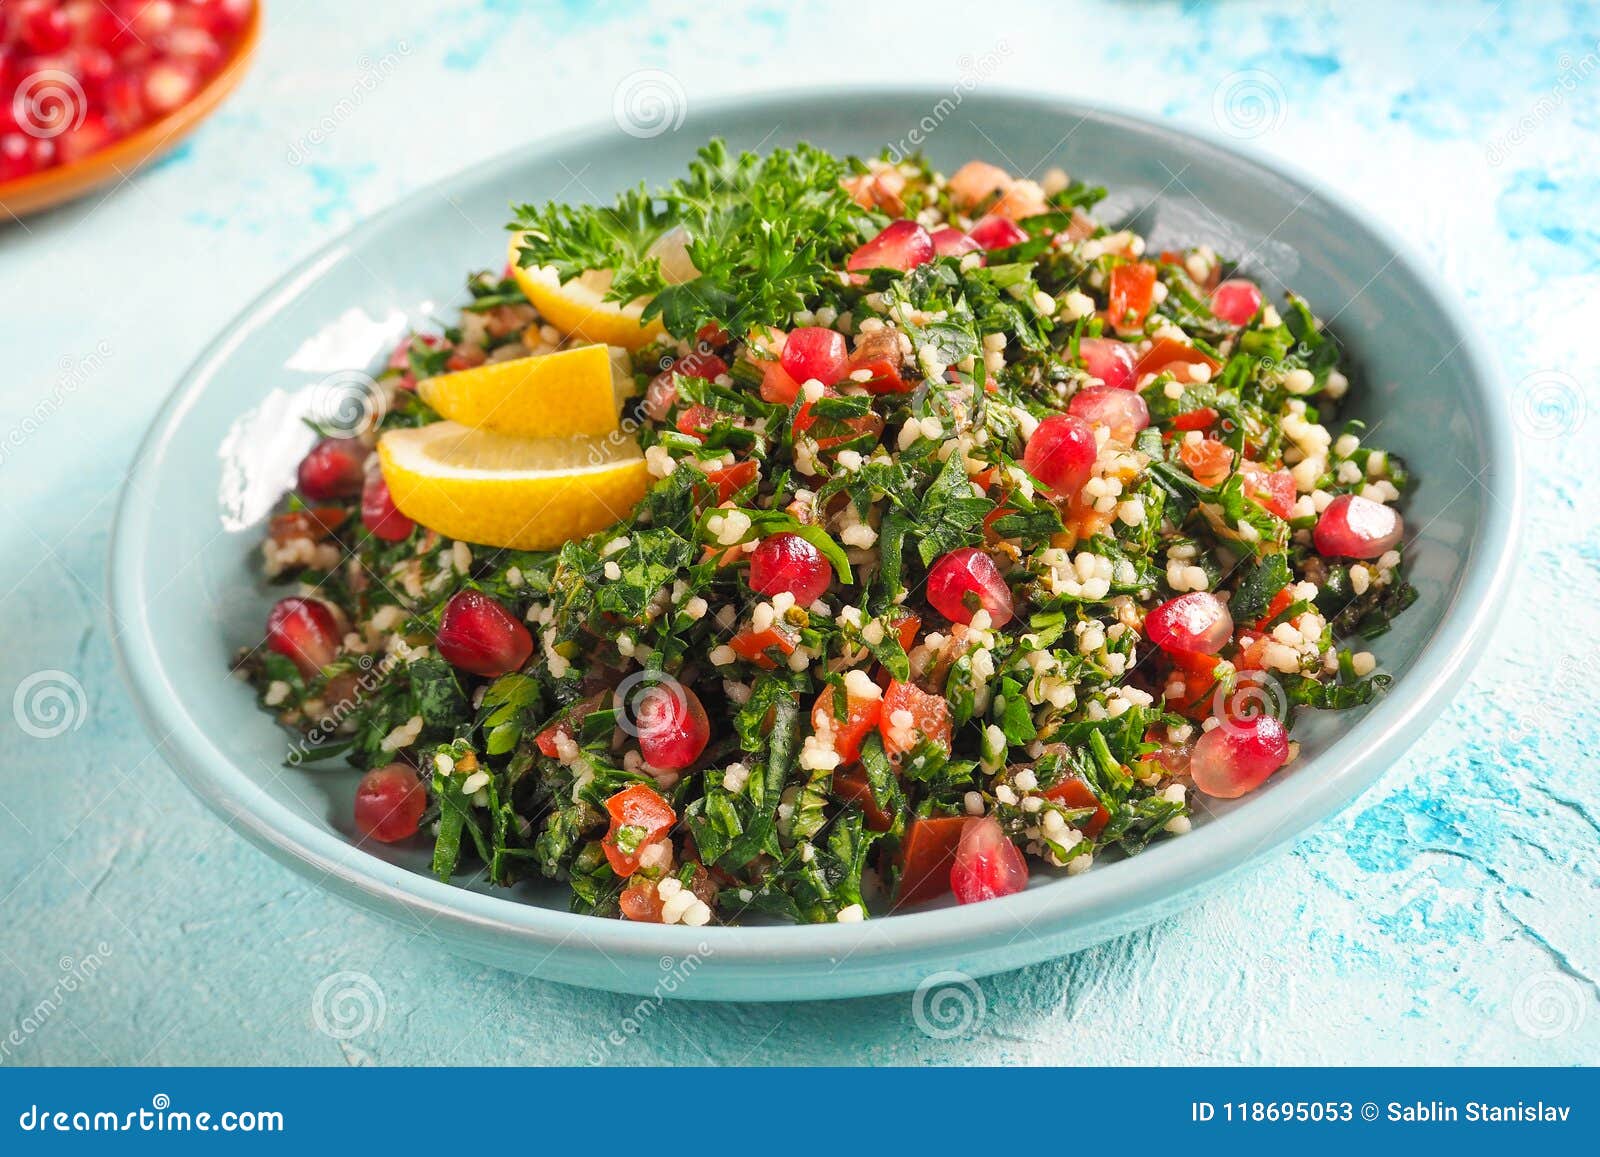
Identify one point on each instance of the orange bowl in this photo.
(55, 186)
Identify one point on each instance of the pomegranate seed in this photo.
(42, 27)
(334, 468)
(1123, 412)
(478, 635)
(787, 562)
(167, 86)
(379, 514)
(306, 631)
(995, 232)
(814, 353)
(1356, 527)
(151, 19)
(1236, 300)
(673, 728)
(662, 392)
(389, 803)
(901, 245)
(1197, 622)
(1109, 360)
(124, 98)
(965, 581)
(951, 242)
(1237, 756)
(89, 137)
(17, 157)
(1061, 453)
(987, 865)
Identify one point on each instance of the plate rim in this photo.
(1163, 874)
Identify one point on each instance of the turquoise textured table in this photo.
(1448, 916)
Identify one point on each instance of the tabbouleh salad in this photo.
(971, 538)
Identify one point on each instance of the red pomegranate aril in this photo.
(167, 86)
(335, 468)
(1238, 755)
(89, 137)
(306, 631)
(1236, 300)
(952, 242)
(1109, 360)
(814, 353)
(1356, 527)
(995, 232)
(672, 724)
(478, 635)
(150, 19)
(389, 803)
(42, 27)
(1195, 623)
(787, 562)
(902, 245)
(987, 865)
(379, 514)
(1061, 453)
(1123, 412)
(965, 581)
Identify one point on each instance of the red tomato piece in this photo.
(861, 719)
(926, 856)
(1132, 292)
(639, 817)
(929, 719)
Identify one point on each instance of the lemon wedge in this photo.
(525, 493)
(579, 307)
(544, 396)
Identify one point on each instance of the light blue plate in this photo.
(184, 562)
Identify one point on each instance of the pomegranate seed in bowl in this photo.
(479, 636)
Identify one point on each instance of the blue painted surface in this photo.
(1448, 916)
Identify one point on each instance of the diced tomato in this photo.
(879, 354)
(639, 817)
(1208, 460)
(567, 726)
(930, 719)
(906, 626)
(976, 180)
(868, 423)
(640, 901)
(1280, 603)
(925, 858)
(777, 386)
(755, 646)
(1131, 294)
(861, 718)
(1167, 353)
(1272, 490)
(851, 784)
(729, 480)
(1075, 793)
(1198, 419)
(697, 420)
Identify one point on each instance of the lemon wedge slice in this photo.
(579, 306)
(544, 396)
(525, 493)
